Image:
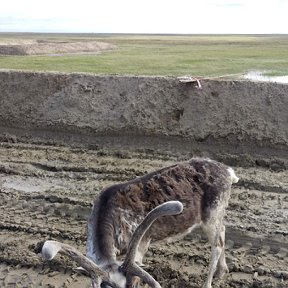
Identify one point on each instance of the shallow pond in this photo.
(259, 76)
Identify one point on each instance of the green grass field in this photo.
(171, 55)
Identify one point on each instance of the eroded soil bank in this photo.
(243, 117)
(65, 137)
(42, 47)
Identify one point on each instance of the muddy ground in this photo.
(63, 137)
(46, 193)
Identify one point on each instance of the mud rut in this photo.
(47, 191)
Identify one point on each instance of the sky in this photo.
(145, 16)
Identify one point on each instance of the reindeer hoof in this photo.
(206, 285)
(221, 271)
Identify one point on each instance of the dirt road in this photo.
(46, 193)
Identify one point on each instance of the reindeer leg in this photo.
(129, 267)
(130, 281)
(135, 282)
(142, 249)
(222, 267)
(213, 232)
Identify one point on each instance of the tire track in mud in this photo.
(259, 186)
(46, 192)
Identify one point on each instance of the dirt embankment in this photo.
(34, 47)
(228, 116)
(64, 137)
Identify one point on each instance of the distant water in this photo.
(258, 76)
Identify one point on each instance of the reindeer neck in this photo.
(100, 234)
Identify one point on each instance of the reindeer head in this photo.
(118, 275)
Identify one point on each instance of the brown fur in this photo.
(199, 184)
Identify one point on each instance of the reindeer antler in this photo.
(51, 248)
(129, 267)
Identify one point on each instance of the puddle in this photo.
(259, 76)
(28, 185)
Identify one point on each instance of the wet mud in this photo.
(47, 191)
(64, 137)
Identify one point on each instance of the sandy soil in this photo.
(63, 137)
(37, 47)
(46, 193)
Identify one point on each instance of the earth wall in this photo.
(237, 116)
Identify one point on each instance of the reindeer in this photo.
(203, 187)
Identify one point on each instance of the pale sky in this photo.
(145, 16)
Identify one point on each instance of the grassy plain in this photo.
(172, 55)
